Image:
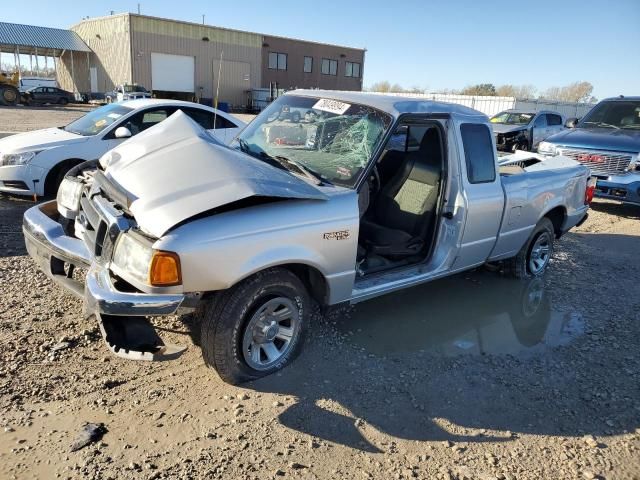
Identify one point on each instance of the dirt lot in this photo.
(475, 377)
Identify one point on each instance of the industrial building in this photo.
(178, 59)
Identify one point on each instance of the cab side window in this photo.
(540, 121)
(553, 120)
(478, 153)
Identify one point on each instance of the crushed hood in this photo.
(504, 128)
(39, 140)
(175, 170)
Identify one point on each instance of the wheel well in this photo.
(50, 187)
(313, 280)
(557, 216)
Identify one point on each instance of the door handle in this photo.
(448, 215)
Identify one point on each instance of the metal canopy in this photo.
(32, 40)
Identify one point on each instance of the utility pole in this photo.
(203, 18)
(138, 9)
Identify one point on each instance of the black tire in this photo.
(520, 266)
(63, 101)
(225, 318)
(109, 100)
(9, 95)
(55, 177)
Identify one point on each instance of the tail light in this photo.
(590, 190)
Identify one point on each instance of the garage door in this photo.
(172, 73)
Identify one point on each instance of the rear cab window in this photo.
(478, 152)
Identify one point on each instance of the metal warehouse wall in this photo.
(294, 76)
(242, 55)
(109, 38)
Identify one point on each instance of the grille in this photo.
(102, 223)
(607, 163)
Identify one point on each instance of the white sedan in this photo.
(36, 162)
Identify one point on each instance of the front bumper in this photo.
(22, 179)
(54, 252)
(624, 188)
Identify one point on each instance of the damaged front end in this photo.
(110, 216)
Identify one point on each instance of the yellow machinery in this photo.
(9, 94)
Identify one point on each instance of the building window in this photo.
(308, 64)
(329, 67)
(352, 69)
(277, 61)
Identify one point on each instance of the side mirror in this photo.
(122, 132)
(571, 122)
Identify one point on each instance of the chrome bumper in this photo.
(51, 248)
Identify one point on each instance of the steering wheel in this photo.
(375, 185)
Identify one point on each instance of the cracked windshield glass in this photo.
(327, 140)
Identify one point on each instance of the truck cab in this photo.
(607, 140)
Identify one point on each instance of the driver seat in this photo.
(404, 212)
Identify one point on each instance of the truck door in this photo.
(482, 193)
(539, 131)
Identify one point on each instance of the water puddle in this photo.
(474, 313)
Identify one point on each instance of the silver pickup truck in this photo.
(363, 195)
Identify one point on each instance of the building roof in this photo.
(172, 20)
(31, 37)
(393, 104)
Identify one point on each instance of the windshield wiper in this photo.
(306, 171)
(603, 124)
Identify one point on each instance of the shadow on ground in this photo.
(476, 354)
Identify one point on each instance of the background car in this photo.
(524, 129)
(34, 163)
(126, 92)
(42, 95)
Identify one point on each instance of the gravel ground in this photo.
(473, 377)
(24, 119)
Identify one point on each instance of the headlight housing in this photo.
(134, 258)
(547, 148)
(10, 159)
(68, 197)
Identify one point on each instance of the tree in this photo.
(485, 89)
(383, 86)
(574, 92)
(516, 91)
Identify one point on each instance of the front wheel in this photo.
(256, 327)
(533, 258)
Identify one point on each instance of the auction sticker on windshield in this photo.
(331, 106)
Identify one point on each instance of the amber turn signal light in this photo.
(165, 269)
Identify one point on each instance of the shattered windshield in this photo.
(327, 140)
(510, 118)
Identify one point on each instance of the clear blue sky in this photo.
(430, 44)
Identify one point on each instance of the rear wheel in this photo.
(9, 95)
(63, 101)
(256, 327)
(534, 257)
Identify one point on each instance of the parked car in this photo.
(524, 129)
(250, 235)
(36, 162)
(607, 140)
(126, 92)
(42, 95)
(26, 83)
